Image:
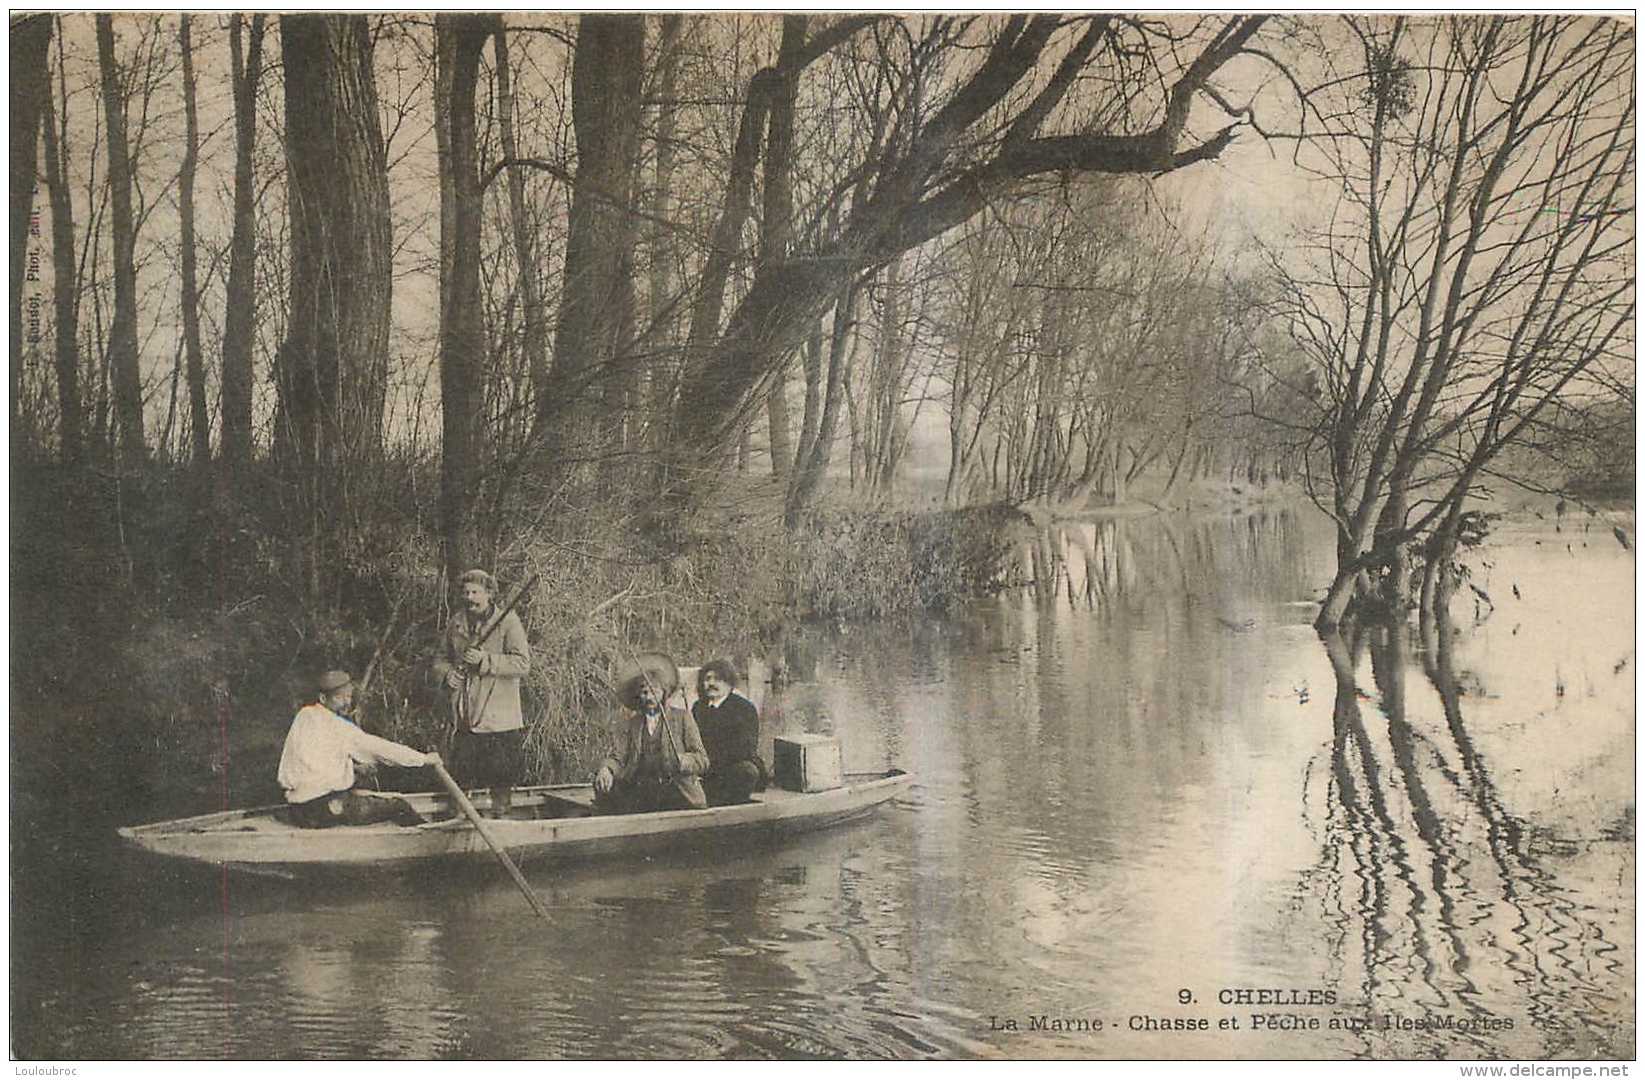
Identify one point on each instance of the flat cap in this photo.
(333, 681)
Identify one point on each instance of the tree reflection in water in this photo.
(1168, 560)
(1437, 894)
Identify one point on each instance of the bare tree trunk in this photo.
(606, 113)
(30, 95)
(332, 366)
(1442, 307)
(803, 480)
(199, 418)
(709, 304)
(534, 317)
(444, 72)
(813, 355)
(122, 346)
(65, 307)
(1436, 591)
(176, 380)
(858, 458)
(777, 211)
(883, 400)
(240, 314)
(958, 459)
(660, 283)
(1335, 605)
(459, 41)
(808, 477)
(1176, 469)
(776, 418)
(1396, 580)
(333, 375)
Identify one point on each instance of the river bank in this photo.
(1103, 759)
(185, 687)
(179, 674)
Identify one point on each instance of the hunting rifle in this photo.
(499, 615)
(459, 697)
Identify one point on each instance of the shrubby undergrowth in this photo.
(849, 565)
(190, 652)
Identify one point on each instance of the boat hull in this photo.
(546, 823)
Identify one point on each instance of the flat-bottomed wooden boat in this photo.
(556, 821)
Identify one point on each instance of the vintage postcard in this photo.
(849, 535)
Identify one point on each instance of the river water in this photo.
(1156, 816)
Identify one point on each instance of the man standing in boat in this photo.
(322, 750)
(483, 656)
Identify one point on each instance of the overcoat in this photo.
(488, 701)
(684, 758)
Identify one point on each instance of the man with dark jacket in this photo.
(730, 727)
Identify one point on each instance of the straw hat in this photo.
(634, 672)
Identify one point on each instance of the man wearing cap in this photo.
(659, 755)
(317, 764)
(481, 662)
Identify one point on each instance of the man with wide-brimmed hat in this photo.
(322, 750)
(482, 660)
(659, 755)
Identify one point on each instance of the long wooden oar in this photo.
(484, 830)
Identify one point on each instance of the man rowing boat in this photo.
(323, 749)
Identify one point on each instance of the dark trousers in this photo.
(351, 808)
(487, 760)
(640, 797)
(733, 783)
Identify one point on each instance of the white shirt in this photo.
(322, 748)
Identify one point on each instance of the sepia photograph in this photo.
(722, 536)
